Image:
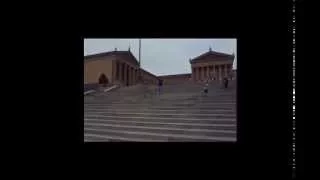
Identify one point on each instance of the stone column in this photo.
(192, 72)
(125, 74)
(117, 71)
(213, 71)
(226, 70)
(134, 75)
(208, 72)
(131, 75)
(220, 72)
(216, 71)
(223, 71)
(120, 72)
(128, 74)
(129, 71)
(197, 73)
(203, 74)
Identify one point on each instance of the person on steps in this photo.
(225, 82)
(159, 86)
(205, 89)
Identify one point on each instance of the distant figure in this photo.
(205, 88)
(225, 82)
(159, 85)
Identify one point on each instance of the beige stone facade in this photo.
(120, 67)
(211, 66)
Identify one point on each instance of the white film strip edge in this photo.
(294, 85)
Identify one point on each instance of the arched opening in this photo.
(103, 80)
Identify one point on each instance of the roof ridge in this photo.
(102, 54)
(209, 53)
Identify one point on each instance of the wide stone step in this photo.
(163, 107)
(157, 136)
(165, 130)
(115, 112)
(162, 94)
(198, 94)
(202, 120)
(107, 123)
(179, 111)
(165, 115)
(113, 138)
(169, 107)
(163, 103)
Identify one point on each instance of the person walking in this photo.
(225, 82)
(160, 82)
(205, 88)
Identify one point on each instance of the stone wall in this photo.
(94, 68)
(175, 79)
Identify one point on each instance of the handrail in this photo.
(89, 92)
(110, 88)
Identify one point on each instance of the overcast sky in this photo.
(163, 56)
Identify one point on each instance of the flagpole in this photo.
(139, 52)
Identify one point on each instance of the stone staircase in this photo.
(180, 114)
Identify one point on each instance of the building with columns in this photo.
(122, 68)
(114, 67)
(212, 65)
